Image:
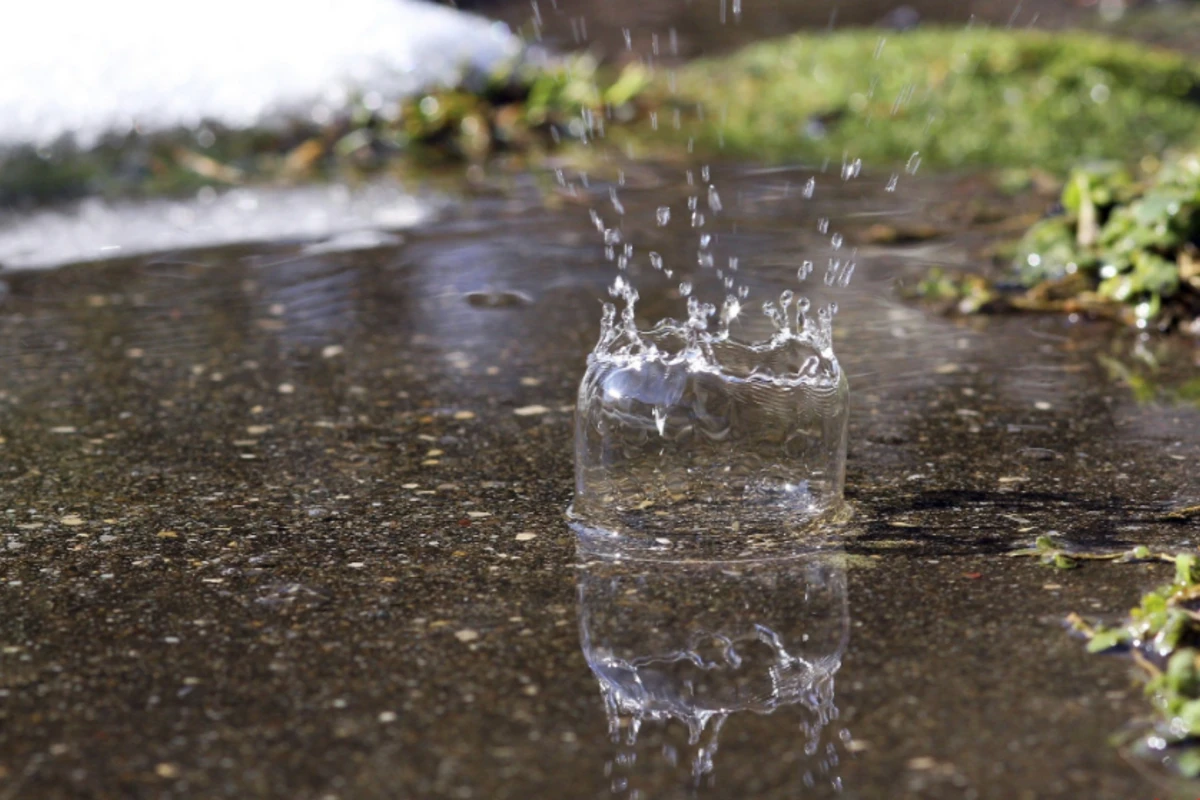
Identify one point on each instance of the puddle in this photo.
(390, 420)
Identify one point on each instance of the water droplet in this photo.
(810, 187)
(823, 225)
(892, 182)
(914, 162)
(714, 199)
(663, 215)
(685, 288)
(656, 260)
(616, 202)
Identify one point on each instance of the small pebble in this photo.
(387, 716)
(1042, 405)
(466, 635)
(332, 351)
(530, 411)
(525, 536)
(286, 388)
(73, 520)
(63, 429)
(464, 415)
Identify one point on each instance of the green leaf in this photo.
(1185, 569)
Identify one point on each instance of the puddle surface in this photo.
(287, 519)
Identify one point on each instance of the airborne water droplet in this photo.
(714, 199)
(809, 188)
(685, 288)
(663, 215)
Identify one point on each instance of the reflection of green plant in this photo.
(959, 97)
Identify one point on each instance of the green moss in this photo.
(958, 98)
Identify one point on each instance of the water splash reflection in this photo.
(697, 642)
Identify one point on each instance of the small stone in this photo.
(387, 716)
(464, 415)
(478, 514)
(435, 453)
(332, 351)
(410, 486)
(287, 388)
(73, 520)
(466, 635)
(165, 770)
(922, 763)
(531, 381)
(530, 411)
(1042, 405)
(135, 352)
(356, 565)
(257, 430)
(63, 430)
(168, 535)
(525, 536)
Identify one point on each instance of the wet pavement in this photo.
(289, 523)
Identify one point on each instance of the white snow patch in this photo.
(336, 217)
(90, 67)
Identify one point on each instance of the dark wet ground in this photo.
(289, 525)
